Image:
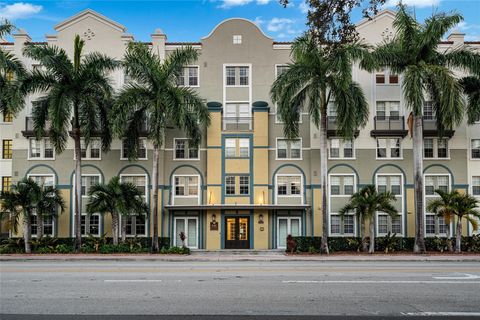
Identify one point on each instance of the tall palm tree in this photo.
(154, 95)
(49, 199)
(427, 75)
(19, 204)
(75, 96)
(11, 72)
(445, 207)
(119, 199)
(465, 207)
(471, 88)
(315, 79)
(366, 203)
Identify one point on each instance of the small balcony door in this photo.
(286, 226)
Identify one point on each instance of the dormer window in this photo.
(237, 39)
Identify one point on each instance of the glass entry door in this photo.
(237, 233)
(189, 226)
(286, 226)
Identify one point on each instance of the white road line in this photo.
(132, 280)
(451, 314)
(382, 281)
(466, 277)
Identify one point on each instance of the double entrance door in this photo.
(237, 233)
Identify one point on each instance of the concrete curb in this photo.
(240, 258)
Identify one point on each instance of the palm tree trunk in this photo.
(419, 246)
(156, 156)
(39, 226)
(115, 228)
(324, 179)
(372, 236)
(458, 242)
(449, 239)
(362, 233)
(78, 188)
(124, 228)
(26, 233)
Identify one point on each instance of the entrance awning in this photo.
(239, 207)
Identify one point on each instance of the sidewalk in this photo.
(225, 257)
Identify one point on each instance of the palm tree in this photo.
(119, 199)
(75, 94)
(427, 74)
(471, 88)
(445, 207)
(49, 199)
(20, 203)
(154, 95)
(315, 79)
(11, 72)
(465, 206)
(366, 203)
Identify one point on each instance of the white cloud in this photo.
(283, 27)
(18, 10)
(262, 2)
(259, 21)
(226, 4)
(303, 7)
(413, 3)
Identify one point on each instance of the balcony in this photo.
(430, 128)
(332, 127)
(30, 128)
(392, 126)
(237, 123)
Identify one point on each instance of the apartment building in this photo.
(246, 186)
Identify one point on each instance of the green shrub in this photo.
(12, 245)
(175, 250)
(63, 248)
(44, 250)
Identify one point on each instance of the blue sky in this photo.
(190, 20)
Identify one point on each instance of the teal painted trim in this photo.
(304, 224)
(191, 167)
(461, 186)
(409, 186)
(237, 195)
(214, 147)
(214, 185)
(162, 215)
(299, 169)
(348, 166)
(260, 109)
(64, 186)
(222, 232)
(441, 166)
(261, 185)
(312, 212)
(261, 147)
(215, 109)
(316, 186)
(390, 165)
(43, 166)
(238, 158)
(214, 106)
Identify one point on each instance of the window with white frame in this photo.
(385, 223)
(92, 151)
(186, 186)
(476, 186)
(184, 151)
(388, 110)
(428, 111)
(389, 148)
(188, 77)
(435, 225)
(287, 226)
(289, 149)
(141, 150)
(41, 149)
(435, 148)
(46, 180)
(385, 76)
(342, 186)
(90, 224)
(289, 185)
(237, 147)
(136, 224)
(332, 109)
(280, 68)
(43, 180)
(475, 148)
(237, 75)
(237, 39)
(237, 185)
(189, 227)
(341, 149)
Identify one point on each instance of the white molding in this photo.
(185, 218)
(276, 195)
(172, 183)
(289, 227)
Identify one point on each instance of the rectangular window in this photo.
(389, 148)
(188, 77)
(289, 149)
(7, 116)
(393, 78)
(435, 225)
(287, 226)
(92, 151)
(435, 148)
(341, 149)
(6, 183)
(40, 149)
(237, 76)
(244, 185)
(243, 71)
(428, 148)
(186, 186)
(244, 148)
(7, 149)
(281, 69)
(289, 185)
(230, 185)
(475, 148)
(189, 227)
(390, 183)
(184, 151)
(230, 73)
(141, 151)
(136, 225)
(442, 148)
(335, 185)
(232, 151)
(139, 181)
(43, 180)
(476, 186)
(237, 39)
(342, 225)
(380, 78)
(428, 112)
(334, 148)
(87, 183)
(47, 225)
(90, 224)
(348, 185)
(230, 148)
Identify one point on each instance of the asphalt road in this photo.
(229, 289)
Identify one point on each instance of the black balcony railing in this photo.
(430, 128)
(237, 123)
(332, 127)
(389, 126)
(30, 127)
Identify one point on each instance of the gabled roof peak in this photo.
(89, 13)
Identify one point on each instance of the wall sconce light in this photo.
(214, 218)
(260, 219)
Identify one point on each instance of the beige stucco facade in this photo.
(248, 187)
